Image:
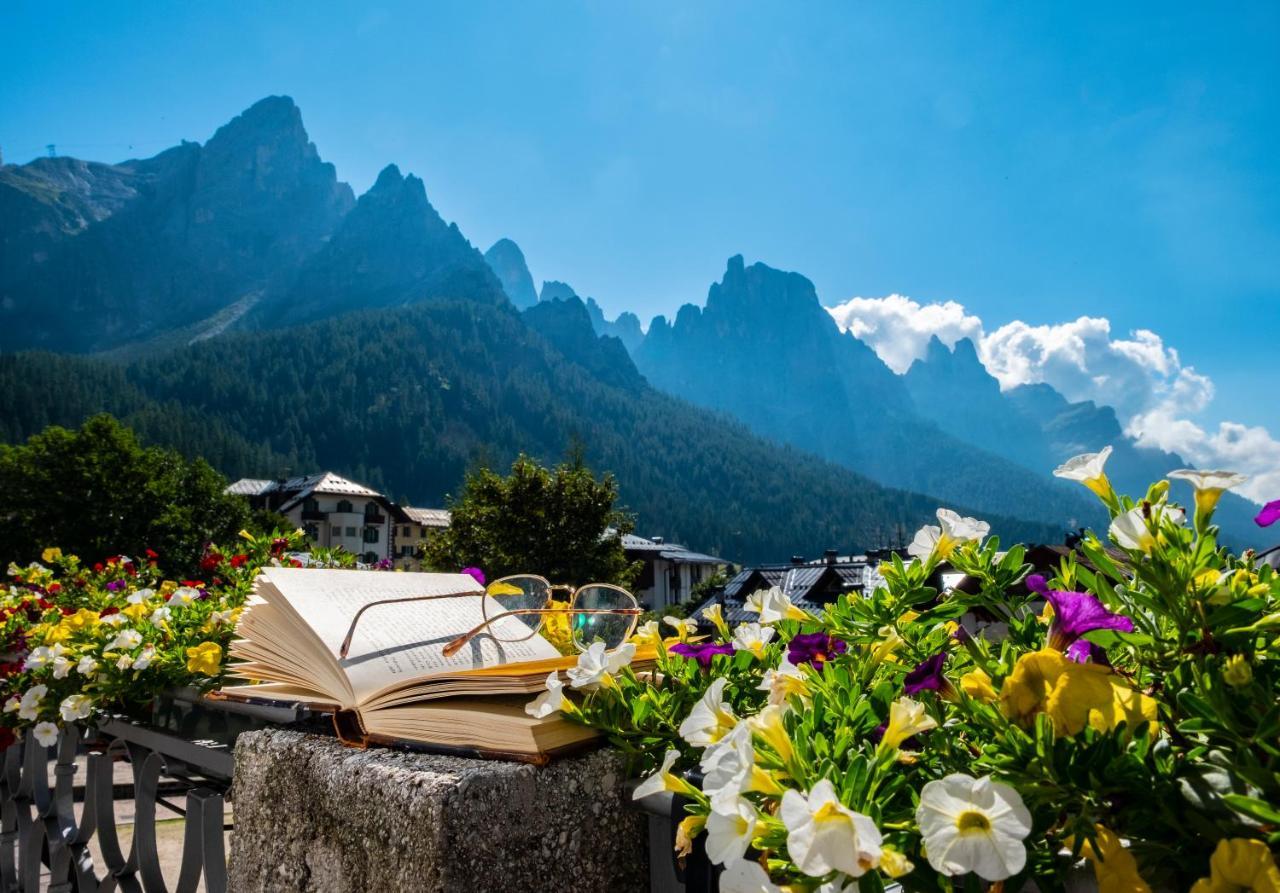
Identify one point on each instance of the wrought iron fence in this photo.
(181, 759)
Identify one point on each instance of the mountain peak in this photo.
(556, 291)
(507, 262)
(388, 177)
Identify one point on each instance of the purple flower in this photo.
(1076, 613)
(1083, 651)
(927, 676)
(1269, 515)
(116, 585)
(475, 573)
(702, 652)
(814, 649)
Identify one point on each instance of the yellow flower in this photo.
(556, 630)
(907, 717)
(1240, 864)
(689, 828)
(1073, 695)
(205, 658)
(889, 642)
(977, 685)
(769, 726)
(50, 555)
(1114, 867)
(894, 864)
(1237, 672)
(82, 619)
(54, 633)
(136, 612)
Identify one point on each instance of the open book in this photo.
(396, 685)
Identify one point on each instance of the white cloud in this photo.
(1155, 396)
(899, 329)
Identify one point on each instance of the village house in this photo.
(335, 512)
(670, 571)
(810, 584)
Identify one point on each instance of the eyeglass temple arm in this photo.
(351, 630)
(453, 647)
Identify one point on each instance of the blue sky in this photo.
(1033, 162)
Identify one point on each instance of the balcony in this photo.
(314, 515)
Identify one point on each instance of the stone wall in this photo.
(312, 815)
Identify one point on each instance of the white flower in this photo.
(140, 596)
(12, 704)
(647, 633)
(932, 540)
(752, 637)
(825, 835)
(1209, 486)
(684, 626)
(29, 707)
(550, 701)
(729, 833)
(970, 824)
(1130, 530)
(87, 666)
(785, 681)
(46, 734)
(44, 655)
(596, 666)
(144, 658)
(113, 619)
(710, 719)
(745, 876)
(61, 667)
(184, 595)
(773, 605)
(839, 885)
(124, 662)
(714, 615)
(75, 707)
(726, 768)
(220, 618)
(1087, 469)
(125, 640)
(160, 615)
(657, 782)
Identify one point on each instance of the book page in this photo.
(403, 641)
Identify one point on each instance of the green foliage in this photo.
(558, 522)
(97, 492)
(407, 401)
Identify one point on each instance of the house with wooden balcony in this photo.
(337, 513)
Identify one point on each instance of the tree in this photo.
(560, 523)
(98, 492)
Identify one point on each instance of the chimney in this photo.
(797, 560)
(830, 556)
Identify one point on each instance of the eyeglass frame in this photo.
(457, 644)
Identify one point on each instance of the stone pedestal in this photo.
(312, 815)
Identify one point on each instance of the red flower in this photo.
(193, 584)
(151, 553)
(98, 567)
(209, 562)
(239, 560)
(55, 587)
(107, 612)
(67, 612)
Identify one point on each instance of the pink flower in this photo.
(1269, 515)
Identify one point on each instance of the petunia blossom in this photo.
(1132, 530)
(824, 835)
(973, 825)
(1269, 515)
(1087, 469)
(702, 652)
(940, 540)
(550, 701)
(710, 719)
(814, 649)
(1209, 487)
(927, 676)
(1076, 613)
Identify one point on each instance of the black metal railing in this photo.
(181, 759)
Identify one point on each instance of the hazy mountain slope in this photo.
(144, 247)
(764, 350)
(407, 400)
(506, 260)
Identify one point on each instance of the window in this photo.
(311, 530)
(351, 531)
(370, 509)
(344, 505)
(310, 504)
(405, 531)
(371, 534)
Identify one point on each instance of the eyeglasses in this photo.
(596, 612)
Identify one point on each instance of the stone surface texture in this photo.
(313, 815)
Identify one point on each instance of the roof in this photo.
(428, 517)
(299, 488)
(1269, 556)
(673, 552)
(250, 487)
